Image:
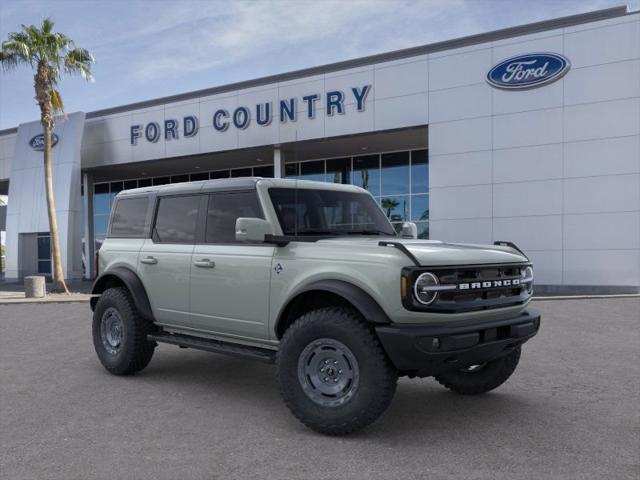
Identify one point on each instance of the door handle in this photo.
(149, 260)
(204, 263)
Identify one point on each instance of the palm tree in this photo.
(389, 204)
(50, 55)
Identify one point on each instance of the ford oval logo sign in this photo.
(37, 142)
(528, 71)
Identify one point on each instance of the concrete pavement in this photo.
(570, 411)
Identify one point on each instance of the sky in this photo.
(150, 49)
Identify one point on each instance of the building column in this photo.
(87, 222)
(278, 163)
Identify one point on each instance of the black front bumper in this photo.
(426, 350)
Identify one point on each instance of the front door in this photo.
(230, 280)
(165, 259)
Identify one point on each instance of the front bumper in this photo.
(426, 350)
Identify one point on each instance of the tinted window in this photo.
(224, 209)
(129, 217)
(176, 219)
(327, 212)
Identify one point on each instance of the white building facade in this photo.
(529, 134)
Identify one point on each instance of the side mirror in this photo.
(252, 229)
(409, 230)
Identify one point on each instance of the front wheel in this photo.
(333, 374)
(482, 378)
(120, 333)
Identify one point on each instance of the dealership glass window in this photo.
(161, 180)
(179, 178)
(395, 173)
(366, 173)
(101, 198)
(338, 170)
(419, 208)
(265, 171)
(419, 171)
(144, 182)
(224, 210)
(128, 184)
(116, 187)
(241, 172)
(196, 177)
(291, 170)
(176, 219)
(396, 208)
(129, 218)
(219, 174)
(423, 230)
(312, 171)
(44, 253)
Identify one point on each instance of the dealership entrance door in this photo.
(34, 254)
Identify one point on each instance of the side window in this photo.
(224, 209)
(176, 219)
(129, 218)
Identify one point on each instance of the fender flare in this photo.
(133, 284)
(361, 300)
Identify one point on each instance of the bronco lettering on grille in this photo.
(489, 284)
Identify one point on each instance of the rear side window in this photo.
(224, 209)
(129, 218)
(176, 219)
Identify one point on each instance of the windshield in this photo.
(328, 212)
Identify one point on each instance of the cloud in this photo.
(147, 49)
(192, 37)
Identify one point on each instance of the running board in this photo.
(216, 346)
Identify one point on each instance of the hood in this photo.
(435, 252)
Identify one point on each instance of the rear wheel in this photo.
(481, 378)
(120, 333)
(333, 373)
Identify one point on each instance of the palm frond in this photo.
(47, 26)
(9, 61)
(56, 101)
(79, 61)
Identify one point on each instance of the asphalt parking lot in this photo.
(572, 410)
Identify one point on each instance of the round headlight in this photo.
(423, 288)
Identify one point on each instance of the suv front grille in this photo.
(477, 287)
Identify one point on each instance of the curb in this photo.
(22, 301)
(585, 297)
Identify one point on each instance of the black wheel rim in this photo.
(328, 372)
(111, 330)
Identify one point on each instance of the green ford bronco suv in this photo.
(312, 277)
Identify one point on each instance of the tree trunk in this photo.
(59, 284)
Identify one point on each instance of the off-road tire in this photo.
(376, 381)
(489, 377)
(135, 351)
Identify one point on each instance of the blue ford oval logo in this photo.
(528, 71)
(37, 142)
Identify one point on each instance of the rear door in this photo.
(165, 259)
(229, 279)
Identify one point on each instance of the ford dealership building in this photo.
(529, 134)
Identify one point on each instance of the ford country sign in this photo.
(528, 71)
(37, 142)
